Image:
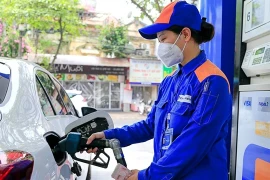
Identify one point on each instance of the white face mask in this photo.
(170, 54)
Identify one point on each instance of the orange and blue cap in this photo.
(178, 13)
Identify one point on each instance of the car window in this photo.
(44, 101)
(66, 99)
(4, 81)
(53, 93)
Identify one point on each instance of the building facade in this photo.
(103, 80)
(145, 71)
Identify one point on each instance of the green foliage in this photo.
(46, 46)
(45, 63)
(112, 40)
(152, 8)
(45, 43)
(42, 14)
(59, 15)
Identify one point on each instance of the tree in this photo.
(113, 40)
(151, 8)
(59, 15)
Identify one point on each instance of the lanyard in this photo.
(176, 89)
(167, 138)
(172, 97)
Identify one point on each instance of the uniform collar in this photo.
(193, 64)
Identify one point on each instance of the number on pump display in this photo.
(248, 16)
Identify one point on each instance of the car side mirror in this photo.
(87, 110)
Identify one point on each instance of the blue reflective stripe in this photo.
(6, 76)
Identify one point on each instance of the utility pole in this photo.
(22, 32)
(20, 46)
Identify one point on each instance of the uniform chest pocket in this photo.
(180, 115)
(161, 104)
(181, 109)
(161, 107)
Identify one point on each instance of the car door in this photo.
(71, 110)
(59, 112)
(60, 115)
(62, 111)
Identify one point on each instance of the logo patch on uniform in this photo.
(206, 86)
(184, 98)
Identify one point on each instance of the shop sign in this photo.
(166, 71)
(81, 69)
(86, 77)
(146, 71)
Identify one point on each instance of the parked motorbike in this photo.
(145, 108)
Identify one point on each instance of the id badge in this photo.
(167, 139)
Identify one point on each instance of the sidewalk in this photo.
(127, 116)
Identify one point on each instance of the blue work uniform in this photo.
(189, 124)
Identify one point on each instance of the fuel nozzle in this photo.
(74, 142)
(114, 144)
(117, 151)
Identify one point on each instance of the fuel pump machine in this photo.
(253, 142)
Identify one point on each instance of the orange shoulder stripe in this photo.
(208, 69)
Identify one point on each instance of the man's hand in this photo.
(99, 135)
(134, 174)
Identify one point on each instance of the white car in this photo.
(78, 100)
(35, 112)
